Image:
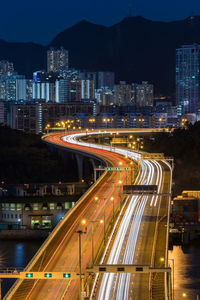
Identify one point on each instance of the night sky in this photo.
(40, 20)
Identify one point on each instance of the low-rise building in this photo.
(186, 208)
(37, 206)
(35, 213)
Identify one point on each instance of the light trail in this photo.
(132, 219)
(150, 172)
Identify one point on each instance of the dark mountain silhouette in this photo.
(135, 49)
(27, 57)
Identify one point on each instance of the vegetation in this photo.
(184, 146)
(24, 158)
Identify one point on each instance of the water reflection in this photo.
(15, 254)
(186, 265)
(19, 254)
(186, 271)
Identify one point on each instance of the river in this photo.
(186, 265)
(15, 254)
(186, 271)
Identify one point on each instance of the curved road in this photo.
(60, 250)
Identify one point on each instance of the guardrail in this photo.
(71, 211)
(57, 228)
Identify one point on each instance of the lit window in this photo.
(35, 206)
(19, 206)
(67, 205)
(44, 206)
(12, 206)
(27, 207)
(52, 206)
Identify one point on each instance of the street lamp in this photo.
(141, 122)
(91, 121)
(162, 259)
(124, 120)
(132, 174)
(112, 200)
(183, 122)
(104, 218)
(171, 259)
(92, 222)
(80, 232)
(184, 295)
(106, 120)
(161, 120)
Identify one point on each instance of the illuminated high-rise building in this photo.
(62, 90)
(188, 78)
(6, 67)
(144, 94)
(74, 92)
(87, 89)
(122, 93)
(57, 60)
(13, 88)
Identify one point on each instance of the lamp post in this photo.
(104, 219)
(106, 120)
(92, 222)
(137, 145)
(120, 192)
(172, 276)
(141, 121)
(112, 200)
(92, 122)
(124, 120)
(184, 295)
(80, 232)
(183, 122)
(132, 174)
(171, 259)
(160, 121)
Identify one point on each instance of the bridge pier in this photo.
(79, 160)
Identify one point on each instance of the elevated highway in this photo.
(140, 238)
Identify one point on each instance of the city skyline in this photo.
(51, 20)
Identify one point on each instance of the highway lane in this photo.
(62, 252)
(134, 243)
(66, 255)
(125, 244)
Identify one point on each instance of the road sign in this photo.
(152, 156)
(38, 275)
(66, 275)
(134, 269)
(112, 169)
(139, 189)
(48, 275)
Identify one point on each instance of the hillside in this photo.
(24, 158)
(183, 145)
(135, 49)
